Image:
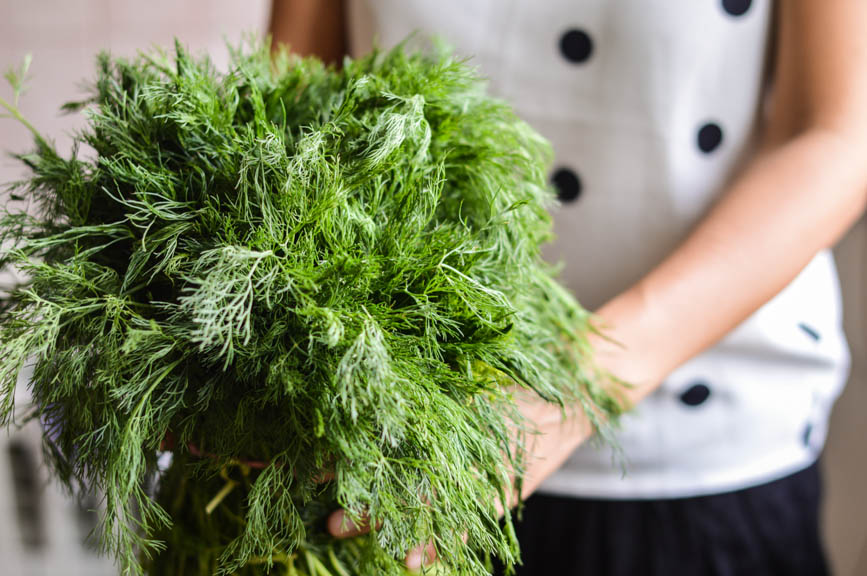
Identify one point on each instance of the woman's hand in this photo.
(557, 438)
(341, 526)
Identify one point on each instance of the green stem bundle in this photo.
(312, 268)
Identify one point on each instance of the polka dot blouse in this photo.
(652, 107)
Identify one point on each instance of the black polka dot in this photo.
(696, 394)
(576, 46)
(736, 7)
(710, 136)
(567, 183)
(810, 331)
(808, 431)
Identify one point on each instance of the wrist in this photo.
(632, 345)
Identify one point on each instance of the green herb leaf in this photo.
(289, 270)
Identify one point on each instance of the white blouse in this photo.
(652, 108)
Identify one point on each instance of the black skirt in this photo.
(767, 530)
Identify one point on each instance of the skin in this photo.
(805, 187)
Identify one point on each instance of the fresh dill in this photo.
(280, 270)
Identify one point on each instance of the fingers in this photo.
(324, 476)
(419, 555)
(340, 525)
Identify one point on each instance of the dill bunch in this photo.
(317, 287)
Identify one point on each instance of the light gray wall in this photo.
(845, 458)
(64, 37)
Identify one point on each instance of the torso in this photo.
(652, 107)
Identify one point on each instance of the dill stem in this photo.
(16, 114)
(220, 496)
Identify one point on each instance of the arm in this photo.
(309, 27)
(806, 187)
(801, 193)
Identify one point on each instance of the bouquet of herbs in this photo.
(315, 287)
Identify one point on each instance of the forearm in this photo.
(309, 27)
(791, 202)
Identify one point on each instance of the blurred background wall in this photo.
(845, 458)
(42, 531)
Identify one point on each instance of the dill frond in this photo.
(289, 268)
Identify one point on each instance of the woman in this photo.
(709, 152)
